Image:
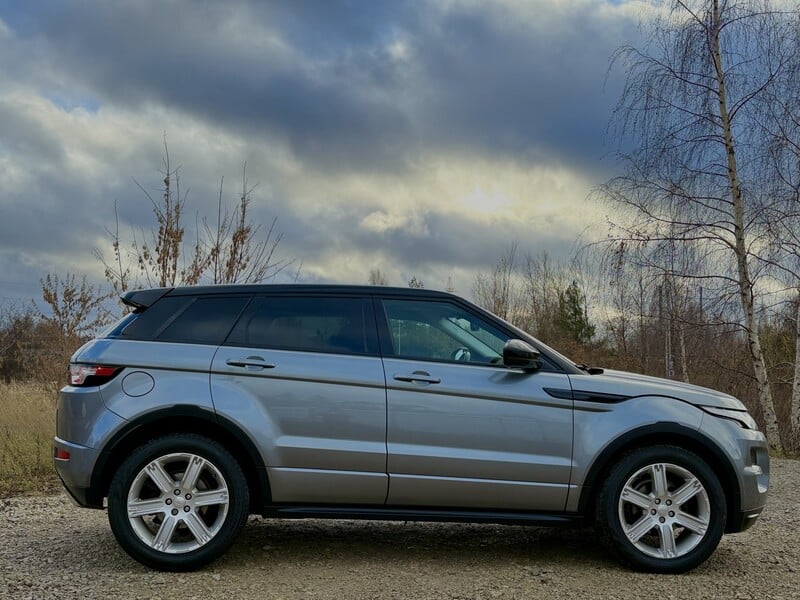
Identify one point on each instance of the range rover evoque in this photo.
(207, 404)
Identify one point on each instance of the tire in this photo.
(178, 502)
(662, 510)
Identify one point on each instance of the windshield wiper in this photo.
(590, 370)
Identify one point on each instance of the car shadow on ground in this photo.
(288, 543)
(294, 541)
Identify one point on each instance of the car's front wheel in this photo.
(177, 502)
(662, 509)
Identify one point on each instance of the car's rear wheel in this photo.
(178, 502)
(662, 509)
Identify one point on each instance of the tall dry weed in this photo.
(27, 426)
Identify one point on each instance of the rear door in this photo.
(303, 376)
(463, 430)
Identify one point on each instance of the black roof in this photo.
(143, 298)
(139, 300)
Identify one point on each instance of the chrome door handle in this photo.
(250, 361)
(418, 377)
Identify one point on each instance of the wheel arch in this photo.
(653, 435)
(188, 419)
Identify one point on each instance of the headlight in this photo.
(740, 416)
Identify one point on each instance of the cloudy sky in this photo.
(418, 137)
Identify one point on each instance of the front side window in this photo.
(442, 331)
(334, 325)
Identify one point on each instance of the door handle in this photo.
(418, 377)
(249, 362)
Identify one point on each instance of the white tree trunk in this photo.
(795, 409)
(762, 379)
(740, 247)
(684, 361)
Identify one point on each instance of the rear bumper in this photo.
(84, 497)
(75, 472)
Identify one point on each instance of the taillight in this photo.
(87, 375)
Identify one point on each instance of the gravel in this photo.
(51, 549)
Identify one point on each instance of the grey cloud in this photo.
(471, 81)
(178, 56)
(444, 240)
(471, 85)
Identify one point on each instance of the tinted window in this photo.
(335, 325)
(442, 331)
(117, 328)
(205, 321)
(152, 320)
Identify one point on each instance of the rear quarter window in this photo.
(205, 321)
(115, 330)
(187, 319)
(150, 321)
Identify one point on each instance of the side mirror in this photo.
(521, 355)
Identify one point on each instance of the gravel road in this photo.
(50, 549)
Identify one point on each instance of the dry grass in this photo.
(27, 426)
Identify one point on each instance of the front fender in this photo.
(605, 431)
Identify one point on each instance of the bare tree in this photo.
(15, 317)
(377, 277)
(232, 249)
(156, 258)
(690, 102)
(542, 280)
(76, 307)
(162, 260)
(780, 123)
(117, 271)
(22, 342)
(500, 291)
(239, 250)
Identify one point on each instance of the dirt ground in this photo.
(51, 549)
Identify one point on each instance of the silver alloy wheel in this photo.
(177, 503)
(664, 510)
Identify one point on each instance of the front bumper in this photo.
(753, 471)
(743, 521)
(747, 451)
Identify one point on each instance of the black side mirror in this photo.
(521, 355)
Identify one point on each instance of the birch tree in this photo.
(780, 123)
(690, 105)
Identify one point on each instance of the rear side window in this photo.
(187, 319)
(152, 320)
(205, 321)
(312, 324)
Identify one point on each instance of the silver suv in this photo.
(206, 404)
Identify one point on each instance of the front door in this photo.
(464, 430)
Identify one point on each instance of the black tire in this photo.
(219, 480)
(690, 547)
